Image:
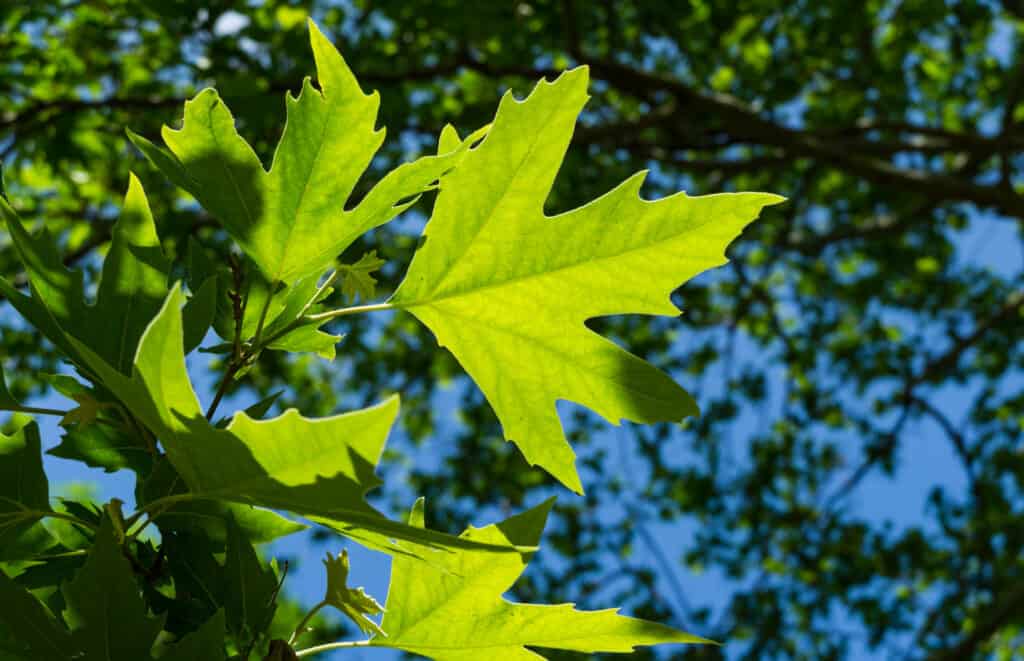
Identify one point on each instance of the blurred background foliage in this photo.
(854, 486)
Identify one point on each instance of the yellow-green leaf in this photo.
(319, 468)
(507, 289)
(291, 219)
(454, 610)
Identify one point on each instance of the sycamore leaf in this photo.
(198, 576)
(285, 306)
(134, 278)
(24, 619)
(210, 516)
(309, 339)
(132, 287)
(318, 468)
(357, 279)
(291, 219)
(133, 283)
(256, 411)
(353, 602)
(85, 414)
(250, 587)
(105, 610)
(24, 495)
(199, 313)
(7, 401)
(455, 611)
(205, 644)
(57, 304)
(105, 442)
(507, 289)
(104, 446)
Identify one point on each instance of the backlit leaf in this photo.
(507, 289)
(454, 610)
(319, 468)
(290, 220)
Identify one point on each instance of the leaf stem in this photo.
(263, 316)
(25, 513)
(327, 316)
(34, 410)
(70, 518)
(225, 383)
(154, 505)
(300, 628)
(342, 312)
(241, 357)
(319, 292)
(310, 651)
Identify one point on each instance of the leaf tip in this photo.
(416, 514)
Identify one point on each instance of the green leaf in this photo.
(7, 401)
(203, 268)
(284, 308)
(507, 289)
(291, 219)
(103, 443)
(24, 619)
(357, 279)
(257, 411)
(454, 610)
(204, 644)
(104, 446)
(133, 283)
(198, 578)
(24, 495)
(132, 286)
(307, 339)
(85, 414)
(353, 602)
(250, 588)
(199, 313)
(210, 516)
(105, 610)
(262, 462)
(58, 295)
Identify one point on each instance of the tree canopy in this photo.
(858, 335)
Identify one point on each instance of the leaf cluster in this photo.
(506, 288)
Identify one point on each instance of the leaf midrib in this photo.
(462, 293)
(558, 354)
(504, 193)
(305, 188)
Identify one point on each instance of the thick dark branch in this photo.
(744, 122)
(854, 156)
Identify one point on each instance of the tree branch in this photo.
(995, 617)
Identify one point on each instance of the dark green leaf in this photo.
(199, 312)
(204, 644)
(25, 620)
(105, 610)
(250, 588)
(24, 495)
